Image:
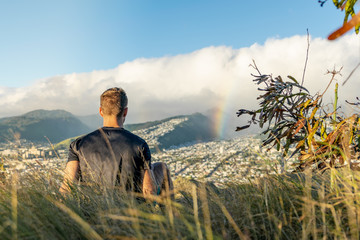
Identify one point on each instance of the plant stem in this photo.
(335, 103)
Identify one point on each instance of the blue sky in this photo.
(40, 39)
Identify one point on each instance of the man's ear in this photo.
(125, 112)
(101, 112)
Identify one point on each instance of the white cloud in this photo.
(208, 78)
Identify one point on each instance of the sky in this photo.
(172, 57)
(41, 39)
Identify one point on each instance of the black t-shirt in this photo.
(111, 156)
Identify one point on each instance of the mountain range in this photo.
(61, 126)
(41, 126)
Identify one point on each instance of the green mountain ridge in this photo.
(196, 128)
(62, 127)
(94, 121)
(41, 126)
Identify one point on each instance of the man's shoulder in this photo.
(111, 132)
(100, 134)
(86, 137)
(133, 136)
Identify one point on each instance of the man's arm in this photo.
(148, 186)
(148, 183)
(71, 170)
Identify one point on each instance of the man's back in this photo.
(111, 156)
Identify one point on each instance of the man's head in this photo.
(113, 102)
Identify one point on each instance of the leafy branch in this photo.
(292, 117)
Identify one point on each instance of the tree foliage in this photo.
(292, 117)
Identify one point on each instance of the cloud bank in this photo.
(212, 78)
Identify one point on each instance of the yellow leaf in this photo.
(307, 103)
(300, 144)
(300, 125)
(323, 132)
(313, 113)
(312, 132)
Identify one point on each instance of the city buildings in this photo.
(221, 162)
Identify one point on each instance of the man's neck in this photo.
(110, 121)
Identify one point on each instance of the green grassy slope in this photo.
(296, 206)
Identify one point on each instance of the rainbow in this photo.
(221, 115)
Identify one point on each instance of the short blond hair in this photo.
(113, 101)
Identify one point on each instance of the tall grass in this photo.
(292, 206)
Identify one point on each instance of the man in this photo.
(112, 156)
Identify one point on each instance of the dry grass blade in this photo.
(196, 212)
(85, 227)
(206, 212)
(14, 206)
(230, 219)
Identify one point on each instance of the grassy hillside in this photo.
(196, 128)
(296, 206)
(65, 143)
